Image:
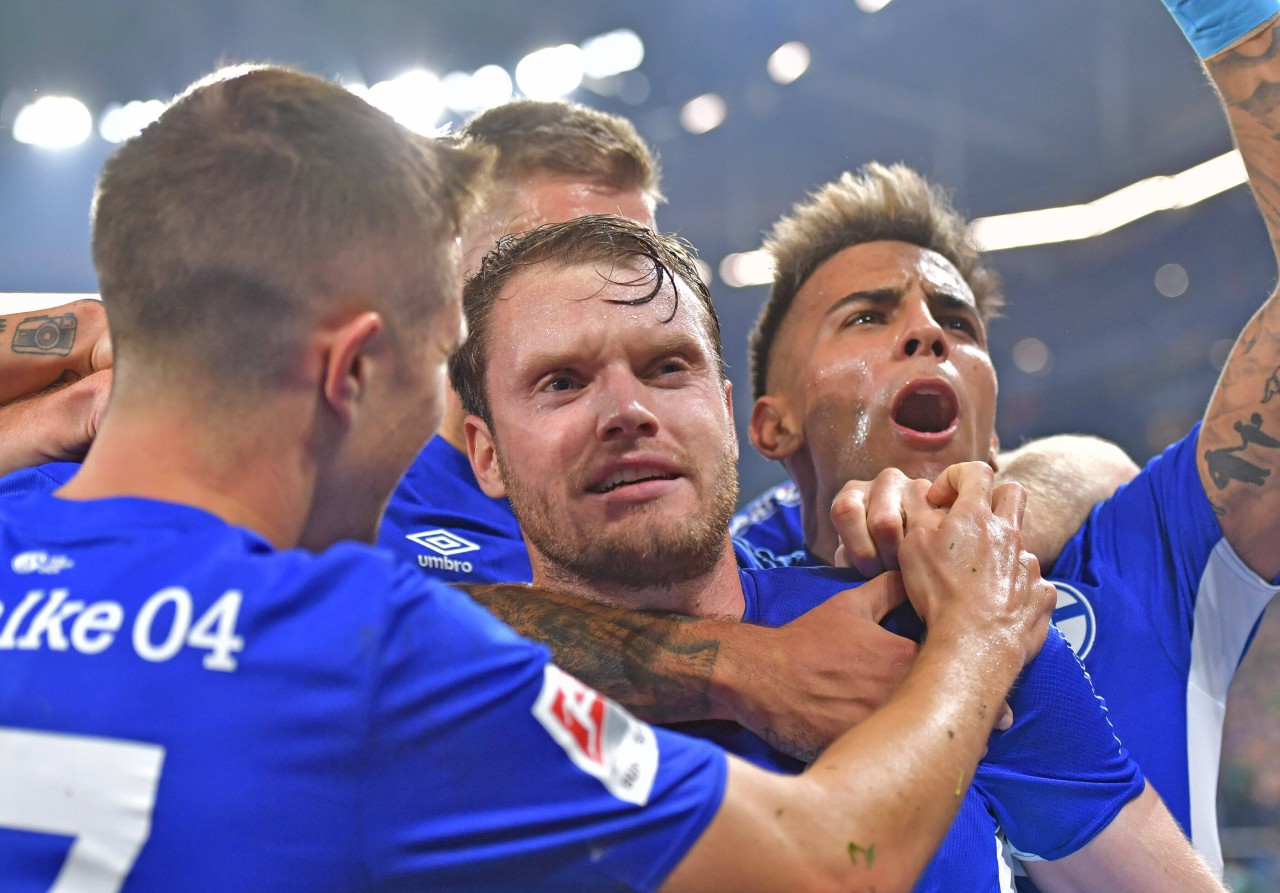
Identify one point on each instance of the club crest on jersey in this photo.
(601, 738)
(442, 542)
(39, 562)
(1073, 616)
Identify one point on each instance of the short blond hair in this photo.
(877, 203)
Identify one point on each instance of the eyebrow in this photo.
(880, 296)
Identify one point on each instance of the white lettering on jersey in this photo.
(39, 562)
(164, 625)
(601, 738)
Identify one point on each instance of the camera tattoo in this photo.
(50, 335)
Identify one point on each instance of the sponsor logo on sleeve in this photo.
(1073, 616)
(445, 544)
(601, 738)
(40, 562)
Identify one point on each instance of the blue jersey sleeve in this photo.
(493, 770)
(1059, 775)
(38, 479)
(771, 524)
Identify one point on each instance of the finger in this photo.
(849, 517)
(1009, 501)
(878, 597)
(965, 486)
(886, 515)
(1005, 721)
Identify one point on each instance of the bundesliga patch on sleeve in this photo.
(601, 738)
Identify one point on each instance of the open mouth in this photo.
(625, 477)
(929, 408)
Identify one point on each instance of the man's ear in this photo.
(774, 431)
(346, 365)
(483, 456)
(728, 408)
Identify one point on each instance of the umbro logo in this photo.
(443, 542)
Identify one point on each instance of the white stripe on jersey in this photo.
(1229, 602)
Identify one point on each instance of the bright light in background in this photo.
(486, 87)
(1032, 356)
(53, 122)
(747, 268)
(120, 122)
(788, 62)
(1172, 280)
(550, 73)
(872, 5)
(26, 301)
(703, 113)
(1111, 211)
(415, 99)
(704, 270)
(613, 53)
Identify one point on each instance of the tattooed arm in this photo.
(44, 347)
(798, 686)
(1239, 447)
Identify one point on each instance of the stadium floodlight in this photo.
(53, 122)
(613, 53)
(872, 5)
(551, 72)
(120, 122)
(788, 62)
(703, 113)
(415, 99)
(747, 268)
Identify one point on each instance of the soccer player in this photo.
(553, 161)
(871, 354)
(207, 685)
(599, 406)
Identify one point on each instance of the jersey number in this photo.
(98, 791)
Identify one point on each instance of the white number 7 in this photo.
(99, 791)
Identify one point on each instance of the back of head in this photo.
(634, 253)
(563, 139)
(263, 201)
(878, 203)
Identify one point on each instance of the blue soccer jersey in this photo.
(183, 707)
(772, 526)
(37, 479)
(1161, 610)
(1048, 785)
(441, 521)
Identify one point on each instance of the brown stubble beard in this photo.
(636, 556)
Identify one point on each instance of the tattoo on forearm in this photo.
(1225, 465)
(51, 335)
(651, 663)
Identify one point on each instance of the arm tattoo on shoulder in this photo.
(1225, 465)
(54, 335)
(657, 665)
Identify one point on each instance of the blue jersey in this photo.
(1162, 610)
(1048, 785)
(38, 479)
(771, 525)
(184, 707)
(440, 520)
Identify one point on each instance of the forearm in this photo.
(40, 348)
(1239, 446)
(1065, 476)
(660, 666)
(870, 813)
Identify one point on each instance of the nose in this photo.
(921, 336)
(625, 408)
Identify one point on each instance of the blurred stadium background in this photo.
(1015, 106)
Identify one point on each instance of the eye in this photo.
(671, 367)
(560, 383)
(961, 324)
(859, 318)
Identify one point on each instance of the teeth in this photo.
(628, 476)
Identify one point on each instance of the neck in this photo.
(225, 466)
(815, 506)
(716, 593)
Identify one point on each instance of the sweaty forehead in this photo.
(879, 265)
(551, 199)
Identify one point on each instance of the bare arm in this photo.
(870, 812)
(1065, 476)
(798, 687)
(56, 424)
(1239, 446)
(1142, 851)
